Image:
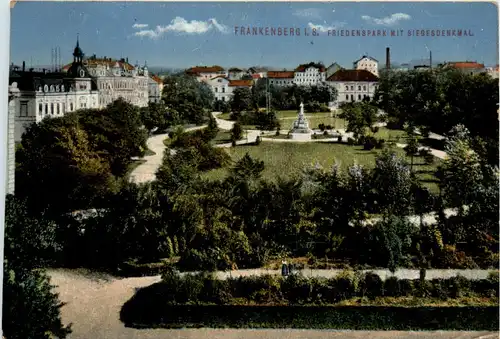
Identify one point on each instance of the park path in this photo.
(147, 171)
(93, 303)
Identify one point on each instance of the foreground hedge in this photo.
(161, 315)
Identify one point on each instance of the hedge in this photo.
(160, 315)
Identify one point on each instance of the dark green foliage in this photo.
(371, 286)
(236, 132)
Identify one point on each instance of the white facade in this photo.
(120, 81)
(51, 101)
(367, 63)
(309, 76)
(220, 88)
(352, 91)
(154, 90)
(11, 146)
(236, 73)
(492, 72)
(281, 78)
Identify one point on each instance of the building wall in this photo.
(221, 89)
(353, 91)
(310, 76)
(368, 64)
(11, 146)
(134, 90)
(281, 81)
(154, 91)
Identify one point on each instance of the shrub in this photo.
(324, 108)
(380, 143)
(423, 288)
(350, 141)
(233, 143)
(439, 289)
(346, 285)
(329, 127)
(339, 138)
(321, 127)
(314, 136)
(423, 152)
(392, 287)
(457, 286)
(429, 159)
(295, 289)
(278, 131)
(371, 285)
(325, 133)
(374, 129)
(369, 143)
(258, 140)
(407, 287)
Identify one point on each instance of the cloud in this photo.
(388, 20)
(311, 13)
(181, 25)
(140, 26)
(325, 28)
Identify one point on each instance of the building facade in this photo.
(281, 78)
(43, 94)
(309, 74)
(366, 63)
(492, 72)
(155, 88)
(11, 145)
(353, 85)
(236, 73)
(223, 88)
(332, 69)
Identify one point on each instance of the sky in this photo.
(181, 35)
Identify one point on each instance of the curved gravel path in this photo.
(93, 305)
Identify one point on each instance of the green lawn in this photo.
(223, 137)
(288, 159)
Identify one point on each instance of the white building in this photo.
(281, 78)
(309, 74)
(367, 63)
(353, 85)
(236, 73)
(44, 94)
(492, 72)
(223, 88)
(466, 67)
(11, 146)
(206, 73)
(155, 88)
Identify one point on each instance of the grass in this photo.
(288, 159)
(222, 137)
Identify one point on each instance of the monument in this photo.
(300, 129)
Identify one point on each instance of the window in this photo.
(352, 88)
(52, 108)
(71, 106)
(347, 96)
(40, 109)
(352, 97)
(364, 88)
(359, 88)
(359, 96)
(216, 89)
(346, 88)
(46, 108)
(58, 111)
(223, 90)
(223, 99)
(63, 107)
(24, 109)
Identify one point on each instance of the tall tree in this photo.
(241, 100)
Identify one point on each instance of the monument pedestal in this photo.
(300, 130)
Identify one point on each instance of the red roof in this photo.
(280, 74)
(465, 64)
(157, 79)
(256, 76)
(204, 69)
(353, 75)
(241, 83)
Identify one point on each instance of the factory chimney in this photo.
(387, 58)
(430, 59)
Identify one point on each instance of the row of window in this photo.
(359, 88)
(217, 90)
(57, 108)
(360, 97)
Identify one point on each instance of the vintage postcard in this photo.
(205, 169)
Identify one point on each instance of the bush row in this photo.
(297, 289)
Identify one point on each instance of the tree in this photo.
(156, 116)
(59, 151)
(411, 149)
(247, 168)
(241, 100)
(212, 129)
(359, 116)
(236, 132)
(392, 182)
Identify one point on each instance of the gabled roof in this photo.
(235, 69)
(240, 83)
(204, 69)
(303, 67)
(157, 79)
(220, 76)
(280, 74)
(353, 75)
(365, 56)
(109, 62)
(464, 65)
